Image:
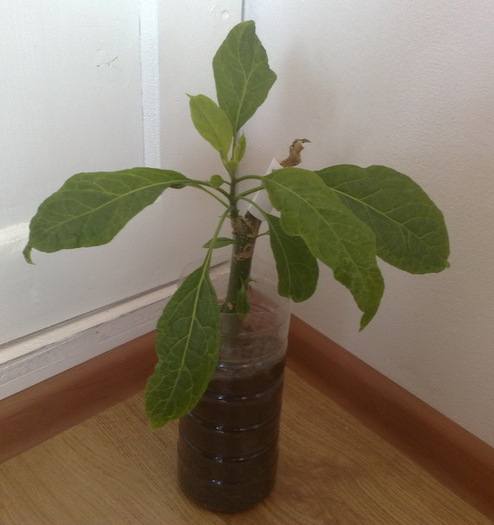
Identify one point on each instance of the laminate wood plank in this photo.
(113, 469)
(455, 456)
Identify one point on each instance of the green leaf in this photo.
(216, 181)
(409, 228)
(297, 268)
(333, 234)
(91, 208)
(187, 346)
(212, 123)
(240, 147)
(231, 166)
(242, 74)
(219, 242)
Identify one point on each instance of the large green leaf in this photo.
(212, 123)
(409, 228)
(333, 234)
(297, 268)
(242, 74)
(187, 346)
(91, 208)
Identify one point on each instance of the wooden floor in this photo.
(112, 469)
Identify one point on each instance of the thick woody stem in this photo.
(245, 232)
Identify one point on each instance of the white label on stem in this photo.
(261, 197)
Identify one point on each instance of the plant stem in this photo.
(245, 231)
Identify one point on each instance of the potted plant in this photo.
(343, 216)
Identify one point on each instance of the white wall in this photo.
(409, 85)
(73, 99)
(70, 94)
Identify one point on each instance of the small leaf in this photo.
(333, 234)
(212, 123)
(231, 166)
(219, 242)
(240, 147)
(242, 74)
(409, 228)
(91, 208)
(27, 254)
(216, 181)
(297, 268)
(187, 346)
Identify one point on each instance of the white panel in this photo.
(70, 75)
(406, 84)
(71, 102)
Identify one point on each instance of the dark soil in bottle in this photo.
(228, 445)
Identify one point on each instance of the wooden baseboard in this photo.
(456, 457)
(56, 404)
